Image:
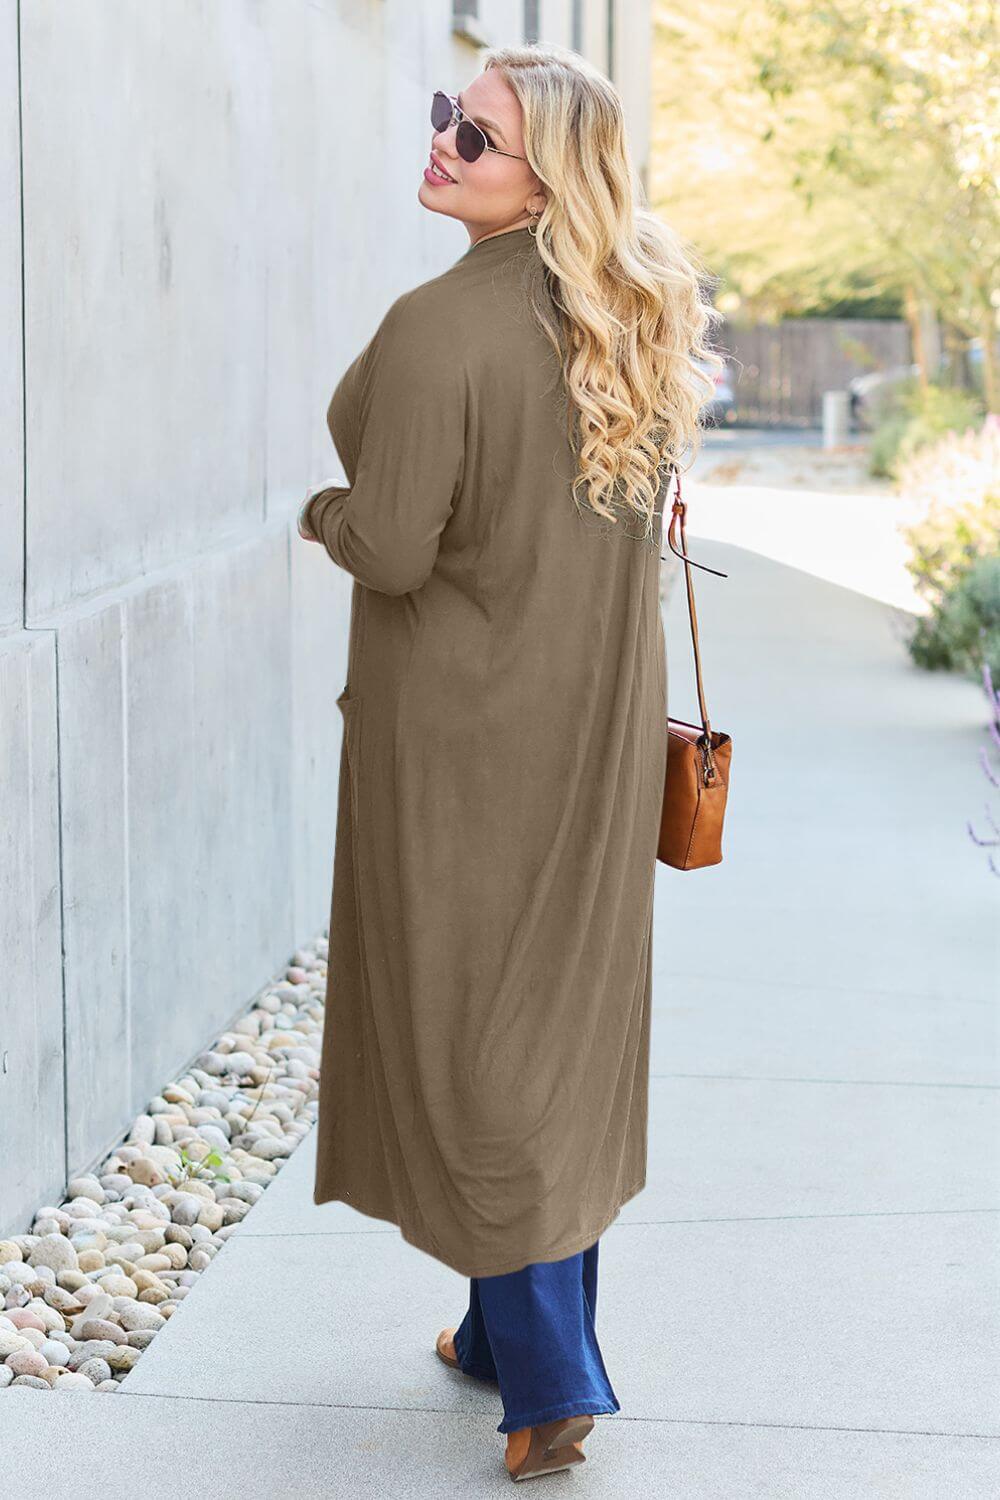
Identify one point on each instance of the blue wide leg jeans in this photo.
(533, 1332)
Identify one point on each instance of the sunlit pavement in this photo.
(790, 500)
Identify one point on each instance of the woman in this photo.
(504, 436)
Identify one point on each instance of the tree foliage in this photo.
(812, 150)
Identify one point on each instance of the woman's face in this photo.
(495, 192)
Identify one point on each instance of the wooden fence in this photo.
(780, 371)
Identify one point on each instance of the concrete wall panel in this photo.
(95, 873)
(242, 752)
(31, 1006)
(321, 612)
(208, 773)
(160, 781)
(180, 845)
(145, 303)
(11, 386)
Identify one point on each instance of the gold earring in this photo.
(535, 215)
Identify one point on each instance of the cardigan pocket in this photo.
(352, 777)
(350, 708)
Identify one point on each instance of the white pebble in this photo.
(56, 1251)
(140, 1315)
(143, 1130)
(267, 1148)
(86, 1187)
(53, 1352)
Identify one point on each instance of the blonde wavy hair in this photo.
(625, 309)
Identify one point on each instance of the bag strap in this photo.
(678, 514)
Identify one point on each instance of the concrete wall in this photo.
(218, 203)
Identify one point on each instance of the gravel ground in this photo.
(789, 464)
(86, 1290)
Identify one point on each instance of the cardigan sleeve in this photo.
(409, 409)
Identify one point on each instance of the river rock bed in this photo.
(88, 1288)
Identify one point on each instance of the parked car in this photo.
(721, 407)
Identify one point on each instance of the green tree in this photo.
(827, 146)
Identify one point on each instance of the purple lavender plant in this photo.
(993, 698)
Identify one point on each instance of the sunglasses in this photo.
(470, 142)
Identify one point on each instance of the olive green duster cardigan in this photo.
(486, 1044)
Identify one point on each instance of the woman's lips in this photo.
(431, 176)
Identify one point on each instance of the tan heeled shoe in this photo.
(445, 1347)
(532, 1451)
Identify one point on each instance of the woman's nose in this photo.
(444, 136)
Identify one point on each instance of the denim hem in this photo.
(480, 1374)
(549, 1414)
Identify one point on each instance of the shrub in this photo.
(911, 420)
(955, 561)
(963, 634)
(956, 487)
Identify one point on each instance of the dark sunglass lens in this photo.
(440, 112)
(469, 141)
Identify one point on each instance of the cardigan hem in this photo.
(421, 1242)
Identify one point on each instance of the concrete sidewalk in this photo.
(803, 1301)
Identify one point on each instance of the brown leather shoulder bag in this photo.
(698, 756)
